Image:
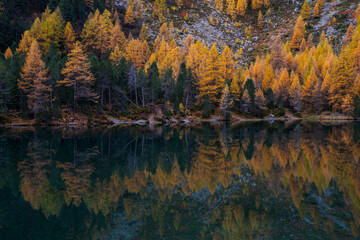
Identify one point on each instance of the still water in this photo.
(281, 180)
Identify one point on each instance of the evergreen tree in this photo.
(357, 106)
(153, 75)
(67, 10)
(206, 107)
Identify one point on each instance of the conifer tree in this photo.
(78, 76)
(212, 81)
(260, 19)
(69, 38)
(8, 54)
(117, 38)
(241, 7)
(206, 107)
(305, 10)
(34, 78)
(51, 31)
(342, 80)
(226, 102)
(25, 43)
(230, 8)
(260, 98)
(295, 92)
(299, 33)
(129, 15)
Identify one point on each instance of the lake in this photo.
(253, 180)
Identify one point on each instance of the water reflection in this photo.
(296, 180)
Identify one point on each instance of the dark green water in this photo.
(279, 180)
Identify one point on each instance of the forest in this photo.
(96, 59)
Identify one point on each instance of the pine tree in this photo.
(34, 78)
(226, 102)
(206, 107)
(67, 10)
(305, 10)
(69, 38)
(356, 106)
(77, 75)
(299, 33)
(212, 81)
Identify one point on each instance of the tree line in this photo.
(55, 67)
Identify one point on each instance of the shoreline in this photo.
(173, 121)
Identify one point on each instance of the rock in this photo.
(271, 116)
(140, 122)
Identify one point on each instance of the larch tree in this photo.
(305, 10)
(136, 53)
(226, 102)
(227, 64)
(117, 37)
(295, 92)
(299, 33)
(51, 32)
(260, 19)
(241, 7)
(212, 81)
(78, 76)
(8, 54)
(34, 78)
(129, 15)
(260, 100)
(69, 38)
(284, 84)
(309, 87)
(25, 43)
(230, 8)
(342, 80)
(268, 77)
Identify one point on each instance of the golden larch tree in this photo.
(299, 33)
(342, 80)
(8, 53)
(212, 81)
(241, 7)
(305, 10)
(25, 43)
(69, 38)
(129, 15)
(33, 82)
(78, 76)
(117, 37)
